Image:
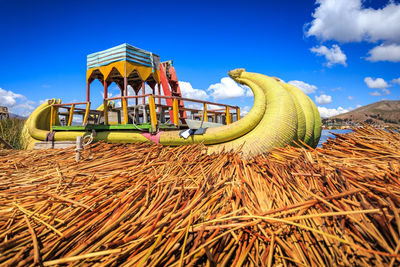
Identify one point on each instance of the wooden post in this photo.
(143, 92)
(5, 143)
(125, 109)
(153, 115)
(105, 110)
(238, 113)
(87, 91)
(159, 99)
(125, 86)
(175, 109)
(51, 116)
(105, 103)
(159, 93)
(86, 117)
(205, 115)
(71, 114)
(227, 116)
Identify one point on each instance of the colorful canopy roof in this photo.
(125, 58)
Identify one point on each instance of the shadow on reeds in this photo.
(10, 131)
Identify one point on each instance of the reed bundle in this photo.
(150, 205)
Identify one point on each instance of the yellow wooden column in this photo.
(105, 105)
(51, 116)
(175, 110)
(228, 116)
(153, 114)
(86, 117)
(238, 113)
(125, 109)
(205, 115)
(71, 114)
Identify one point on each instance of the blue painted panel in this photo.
(123, 52)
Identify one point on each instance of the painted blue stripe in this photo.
(128, 54)
(119, 53)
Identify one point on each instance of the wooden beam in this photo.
(6, 144)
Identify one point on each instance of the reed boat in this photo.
(156, 112)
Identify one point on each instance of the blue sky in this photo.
(343, 53)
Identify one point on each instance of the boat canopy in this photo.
(124, 62)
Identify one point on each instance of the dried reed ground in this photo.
(151, 205)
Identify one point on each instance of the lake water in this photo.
(328, 133)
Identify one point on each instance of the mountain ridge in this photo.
(381, 112)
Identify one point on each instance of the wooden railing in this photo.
(226, 110)
(71, 108)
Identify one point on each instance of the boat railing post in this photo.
(205, 115)
(105, 110)
(51, 116)
(86, 117)
(153, 115)
(125, 109)
(175, 111)
(227, 116)
(71, 114)
(237, 113)
(105, 103)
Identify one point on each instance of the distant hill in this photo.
(12, 115)
(382, 112)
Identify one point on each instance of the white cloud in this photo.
(305, 87)
(375, 93)
(396, 81)
(378, 83)
(350, 97)
(42, 101)
(211, 107)
(385, 52)
(249, 92)
(244, 110)
(189, 92)
(330, 112)
(194, 106)
(77, 120)
(349, 21)
(9, 98)
(17, 103)
(386, 91)
(333, 55)
(227, 88)
(323, 99)
(358, 106)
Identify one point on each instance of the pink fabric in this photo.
(155, 138)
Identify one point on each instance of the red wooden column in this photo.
(105, 89)
(87, 91)
(125, 86)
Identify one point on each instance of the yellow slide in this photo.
(281, 115)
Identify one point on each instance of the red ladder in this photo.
(170, 85)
